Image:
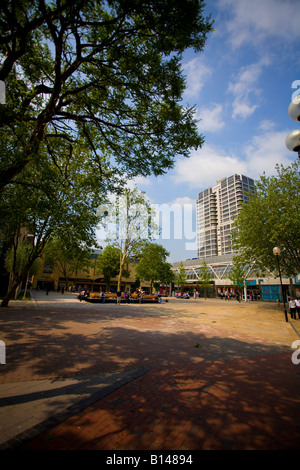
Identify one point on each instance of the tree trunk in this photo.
(11, 290)
(16, 281)
(25, 290)
(122, 262)
(119, 280)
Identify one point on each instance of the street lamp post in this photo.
(293, 139)
(276, 252)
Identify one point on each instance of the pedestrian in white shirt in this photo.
(293, 308)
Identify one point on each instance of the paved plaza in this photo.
(183, 375)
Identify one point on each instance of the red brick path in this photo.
(237, 404)
(237, 390)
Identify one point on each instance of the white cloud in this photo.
(206, 166)
(211, 118)
(242, 109)
(255, 20)
(265, 150)
(197, 72)
(245, 88)
(185, 200)
(266, 125)
(209, 164)
(139, 181)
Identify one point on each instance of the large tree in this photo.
(68, 258)
(43, 205)
(15, 260)
(272, 218)
(105, 72)
(132, 222)
(93, 97)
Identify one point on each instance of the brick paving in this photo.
(216, 374)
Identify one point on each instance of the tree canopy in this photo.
(67, 258)
(205, 277)
(153, 264)
(272, 218)
(237, 274)
(43, 206)
(131, 219)
(105, 72)
(93, 98)
(180, 277)
(109, 264)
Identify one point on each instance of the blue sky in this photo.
(241, 85)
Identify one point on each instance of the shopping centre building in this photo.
(257, 287)
(49, 277)
(216, 210)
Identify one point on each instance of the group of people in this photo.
(294, 307)
(127, 297)
(184, 295)
(227, 295)
(83, 294)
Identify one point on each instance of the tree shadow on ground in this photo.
(230, 391)
(235, 404)
(49, 348)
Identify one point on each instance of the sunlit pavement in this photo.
(182, 375)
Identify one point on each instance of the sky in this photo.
(241, 85)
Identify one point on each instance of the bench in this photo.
(112, 298)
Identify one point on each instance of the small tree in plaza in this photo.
(181, 277)
(205, 278)
(153, 265)
(109, 264)
(237, 274)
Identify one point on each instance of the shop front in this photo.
(271, 293)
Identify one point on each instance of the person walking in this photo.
(118, 298)
(293, 308)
